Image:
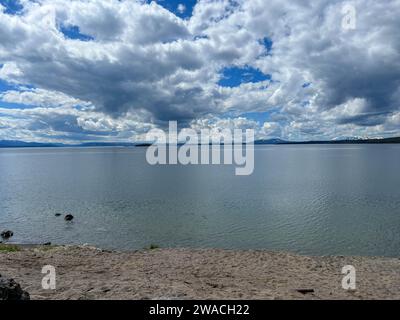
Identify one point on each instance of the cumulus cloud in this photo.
(40, 98)
(181, 8)
(97, 69)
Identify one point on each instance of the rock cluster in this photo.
(10, 290)
(6, 234)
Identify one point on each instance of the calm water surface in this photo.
(311, 199)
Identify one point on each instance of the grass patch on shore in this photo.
(153, 247)
(9, 248)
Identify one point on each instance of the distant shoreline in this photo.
(85, 272)
(23, 144)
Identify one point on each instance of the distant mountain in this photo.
(342, 138)
(106, 144)
(348, 141)
(270, 141)
(23, 144)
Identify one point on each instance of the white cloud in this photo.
(181, 8)
(145, 60)
(41, 98)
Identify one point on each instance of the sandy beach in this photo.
(84, 272)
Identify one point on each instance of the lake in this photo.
(309, 199)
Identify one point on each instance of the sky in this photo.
(111, 70)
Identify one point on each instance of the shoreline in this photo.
(86, 272)
(149, 248)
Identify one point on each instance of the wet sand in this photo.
(84, 272)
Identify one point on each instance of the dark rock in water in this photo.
(6, 234)
(10, 290)
(305, 291)
(58, 214)
(68, 217)
(47, 244)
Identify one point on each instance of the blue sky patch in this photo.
(306, 85)
(181, 8)
(12, 105)
(267, 43)
(73, 32)
(260, 117)
(12, 6)
(234, 76)
(5, 86)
